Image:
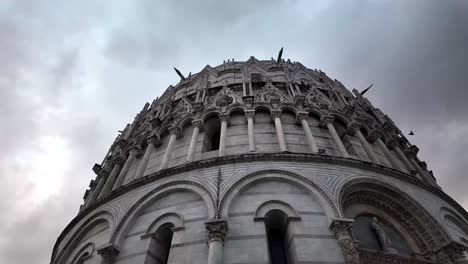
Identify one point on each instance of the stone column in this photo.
(175, 132)
(133, 152)
(411, 153)
(101, 179)
(342, 229)
(302, 117)
(222, 135)
(244, 89)
(152, 141)
(216, 233)
(92, 188)
(355, 128)
(276, 114)
(197, 126)
(394, 145)
(108, 252)
(388, 155)
(327, 121)
(117, 162)
(250, 114)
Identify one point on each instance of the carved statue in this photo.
(382, 236)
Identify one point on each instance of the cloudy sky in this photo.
(73, 73)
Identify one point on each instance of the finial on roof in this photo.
(180, 74)
(367, 89)
(279, 55)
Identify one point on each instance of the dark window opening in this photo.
(215, 141)
(160, 247)
(211, 134)
(276, 234)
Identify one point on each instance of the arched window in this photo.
(160, 245)
(276, 226)
(212, 134)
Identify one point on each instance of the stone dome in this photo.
(263, 161)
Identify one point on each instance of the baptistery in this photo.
(263, 161)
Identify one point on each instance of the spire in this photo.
(182, 77)
(367, 89)
(279, 55)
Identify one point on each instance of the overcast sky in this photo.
(74, 73)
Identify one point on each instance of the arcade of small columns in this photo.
(107, 182)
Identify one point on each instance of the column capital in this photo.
(249, 113)
(119, 159)
(175, 131)
(103, 173)
(108, 252)
(134, 150)
(392, 143)
(374, 135)
(198, 123)
(412, 151)
(326, 119)
(216, 230)
(342, 227)
(302, 115)
(276, 113)
(223, 117)
(349, 110)
(389, 126)
(153, 139)
(353, 127)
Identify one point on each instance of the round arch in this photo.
(386, 200)
(263, 107)
(290, 109)
(83, 253)
(156, 193)
(185, 122)
(209, 114)
(247, 180)
(175, 219)
(450, 217)
(88, 224)
(235, 109)
(268, 206)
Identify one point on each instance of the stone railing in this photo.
(375, 257)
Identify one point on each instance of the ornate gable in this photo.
(316, 98)
(270, 93)
(224, 98)
(183, 107)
